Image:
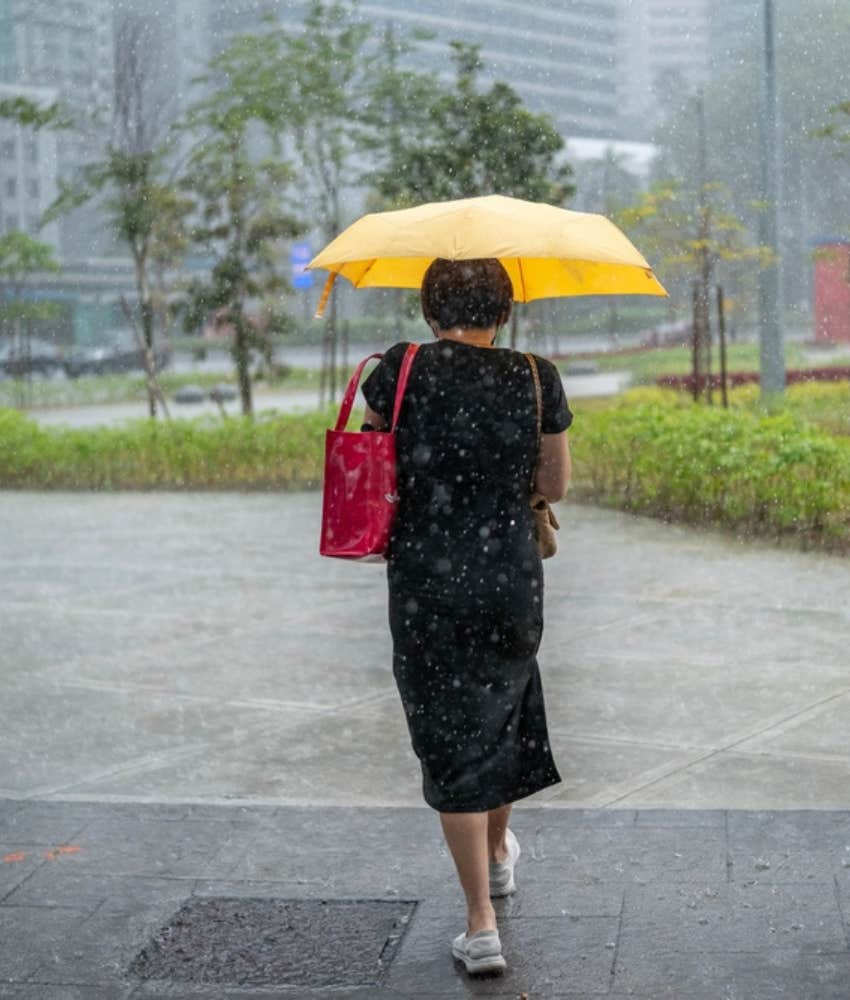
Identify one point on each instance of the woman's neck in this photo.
(469, 335)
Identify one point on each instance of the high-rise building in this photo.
(664, 55)
(560, 57)
(65, 45)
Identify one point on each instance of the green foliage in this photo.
(271, 452)
(681, 233)
(332, 83)
(475, 142)
(21, 256)
(775, 476)
(239, 197)
(32, 115)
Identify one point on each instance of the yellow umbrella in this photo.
(547, 251)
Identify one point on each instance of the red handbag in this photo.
(359, 495)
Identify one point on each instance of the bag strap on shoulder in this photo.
(354, 382)
(538, 395)
(401, 386)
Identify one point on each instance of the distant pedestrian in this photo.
(465, 576)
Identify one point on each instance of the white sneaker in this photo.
(502, 872)
(481, 953)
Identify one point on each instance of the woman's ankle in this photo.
(500, 853)
(482, 919)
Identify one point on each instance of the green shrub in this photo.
(270, 452)
(764, 475)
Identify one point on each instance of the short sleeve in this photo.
(557, 415)
(379, 388)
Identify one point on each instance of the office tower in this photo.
(560, 57)
(27, 169)
(66, 46)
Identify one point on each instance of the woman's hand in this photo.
(373, 418)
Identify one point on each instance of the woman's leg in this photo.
(497, 824)
(466, 835)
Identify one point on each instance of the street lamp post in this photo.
(772, 351)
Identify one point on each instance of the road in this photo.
(295, 401)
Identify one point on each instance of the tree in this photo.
(21, 257)
(32, 115)
(237, 181)
(476, 142)
(813, 73)
(689, 239)
(333, 88)
(131, 173)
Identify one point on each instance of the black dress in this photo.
(465, 578)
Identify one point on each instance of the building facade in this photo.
(28, 169)
(560, 57)
(67, 46)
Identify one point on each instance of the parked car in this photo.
(37, 356)
(121, 354)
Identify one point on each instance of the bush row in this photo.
(774, 475)
(651, 453)
(270, 452)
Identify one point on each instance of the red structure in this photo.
(832, 292)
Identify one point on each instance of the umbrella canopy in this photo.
(547, 251)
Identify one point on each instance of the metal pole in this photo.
(705, 262)
(721, 332)
(772, 352)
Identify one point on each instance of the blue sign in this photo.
(300, 256)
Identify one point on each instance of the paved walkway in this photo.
(193, 703)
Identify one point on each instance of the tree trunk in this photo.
(147, 318)
(242, 358)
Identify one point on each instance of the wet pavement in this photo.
(196, 707)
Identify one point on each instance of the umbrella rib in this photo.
(521, 279)
(359, 282)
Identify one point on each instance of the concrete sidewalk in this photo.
(109, 902)
(197, 709)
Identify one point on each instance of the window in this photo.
(11, 222)
(33, 187)
(8, 149)
(11, 187)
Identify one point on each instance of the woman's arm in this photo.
(554, 466)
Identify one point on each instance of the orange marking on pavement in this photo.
(17, 856)
(54, 852)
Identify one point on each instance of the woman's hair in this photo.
(466, 293)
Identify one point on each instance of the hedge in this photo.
(774, 475)
(270, 452)
(652, 453)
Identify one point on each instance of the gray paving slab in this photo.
(195, 705)
(610, 903)
(194, 647)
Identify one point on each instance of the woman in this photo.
(465, 577)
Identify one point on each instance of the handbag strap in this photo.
(354, 382)
(403, 375)
(351, 392)
(538, 396)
